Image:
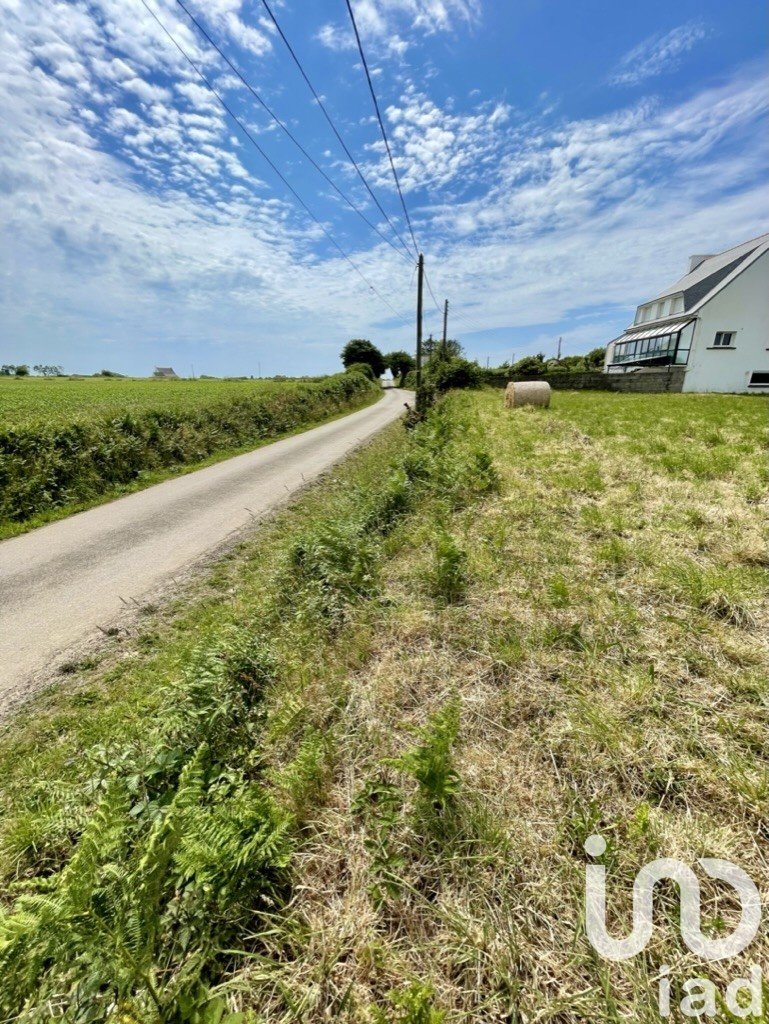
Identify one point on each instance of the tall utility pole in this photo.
(559, 348)
(420, 289)
(445, 325)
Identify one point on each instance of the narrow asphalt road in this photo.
(59, 584)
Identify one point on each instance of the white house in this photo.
(714, 323)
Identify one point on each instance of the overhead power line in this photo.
(381, 123)
(271, 164)
(287, 131)
(332, 125)
(458, 313)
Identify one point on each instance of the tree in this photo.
(7, 370)
(361, 351)
(594, 360)
(451, 350)
(22, 370)
(399, 363)
(49, 371)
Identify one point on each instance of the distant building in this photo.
(713, 323)
(165, 372)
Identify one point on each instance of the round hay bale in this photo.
(527, 392)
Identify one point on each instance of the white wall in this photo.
(742, 306)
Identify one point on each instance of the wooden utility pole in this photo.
(420, 291)
(559, 349)
(445, 326)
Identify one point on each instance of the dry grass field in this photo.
(382, 732)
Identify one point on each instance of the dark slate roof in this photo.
(711, 272)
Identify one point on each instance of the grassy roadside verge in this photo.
(140, 855)
(50, 471)
(384, 730)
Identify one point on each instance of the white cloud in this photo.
(554, 178)
(380, 20)
(336, 37)
(434, 147)
(659, 54)
(146, 91)
(225, 15)
(172, 236)
(567, 221)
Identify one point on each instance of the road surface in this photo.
(62, 583)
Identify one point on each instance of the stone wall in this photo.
(667, 378)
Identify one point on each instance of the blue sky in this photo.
(560, 162)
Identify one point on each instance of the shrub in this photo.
(363, 368)
(530, 366)
(454, 373)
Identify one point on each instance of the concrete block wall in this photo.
(668, 378)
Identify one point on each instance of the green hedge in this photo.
(43, 468)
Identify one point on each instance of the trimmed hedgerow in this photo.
(44, 467)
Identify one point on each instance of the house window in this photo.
(660, 346)
(759, 379)
(724, 339)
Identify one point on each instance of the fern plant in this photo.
(337, 566)
(137, 917)
(380, 804)
(414, 1005)
(447, 576)
(431, 763)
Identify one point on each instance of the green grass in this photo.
(67, 444)
(351, 775)
(60, 401)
